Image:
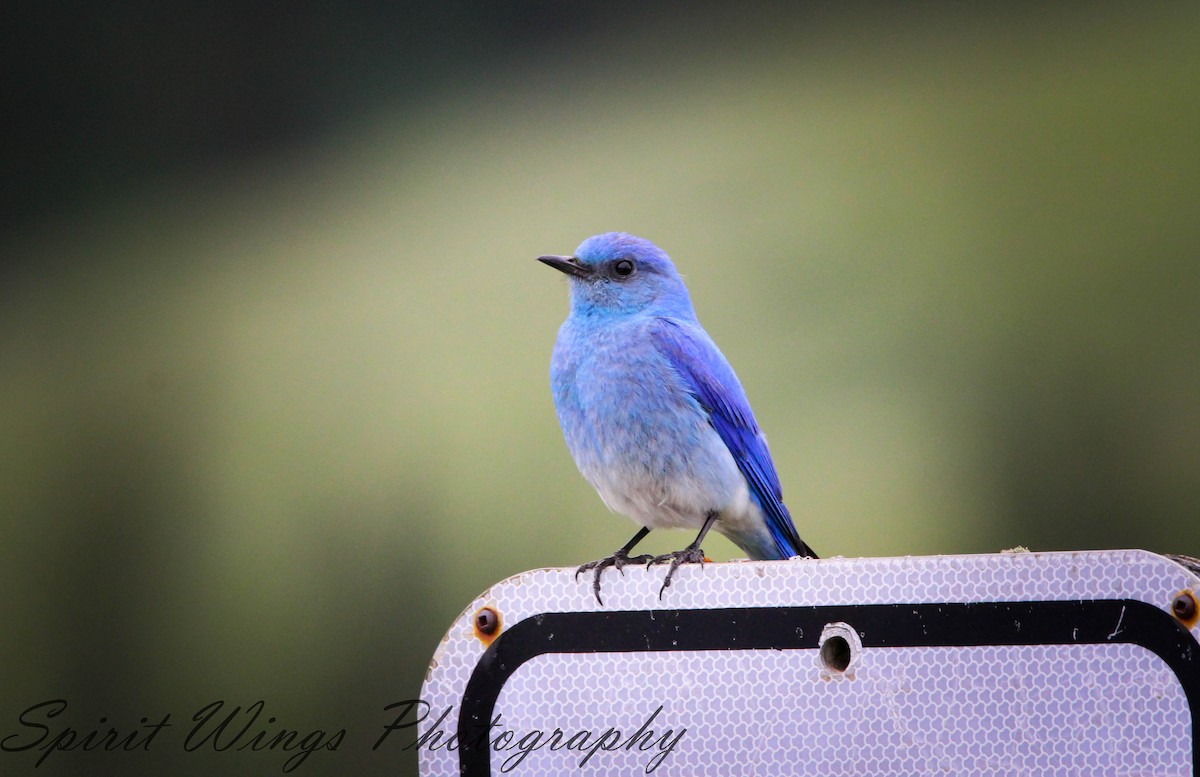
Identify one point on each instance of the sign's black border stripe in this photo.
(956, 624)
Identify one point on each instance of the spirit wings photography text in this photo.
(45, 728)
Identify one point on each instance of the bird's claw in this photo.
(618, 560)
(689, 555)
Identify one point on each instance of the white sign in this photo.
(1007, 664)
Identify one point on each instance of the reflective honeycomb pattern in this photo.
(1112, 709)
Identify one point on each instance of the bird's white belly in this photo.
(660, 496)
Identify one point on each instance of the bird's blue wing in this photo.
(713, 383)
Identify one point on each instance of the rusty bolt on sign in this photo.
(1184, 607)
(487, 624)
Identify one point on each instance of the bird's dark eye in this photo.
(623, 268)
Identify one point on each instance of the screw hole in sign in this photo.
(839, 649)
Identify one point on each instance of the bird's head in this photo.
(619, 274)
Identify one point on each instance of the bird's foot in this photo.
(618, 561)
(689, 555)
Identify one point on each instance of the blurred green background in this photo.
(274, 401)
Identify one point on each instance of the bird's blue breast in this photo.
(619, 402)
(636, 433)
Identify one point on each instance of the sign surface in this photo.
(1009, 664)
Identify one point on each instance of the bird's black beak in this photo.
(568, 264)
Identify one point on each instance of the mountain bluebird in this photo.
(653, 414)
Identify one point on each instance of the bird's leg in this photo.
(617, 560)
(692, 554)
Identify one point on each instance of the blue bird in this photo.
(653, 414)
